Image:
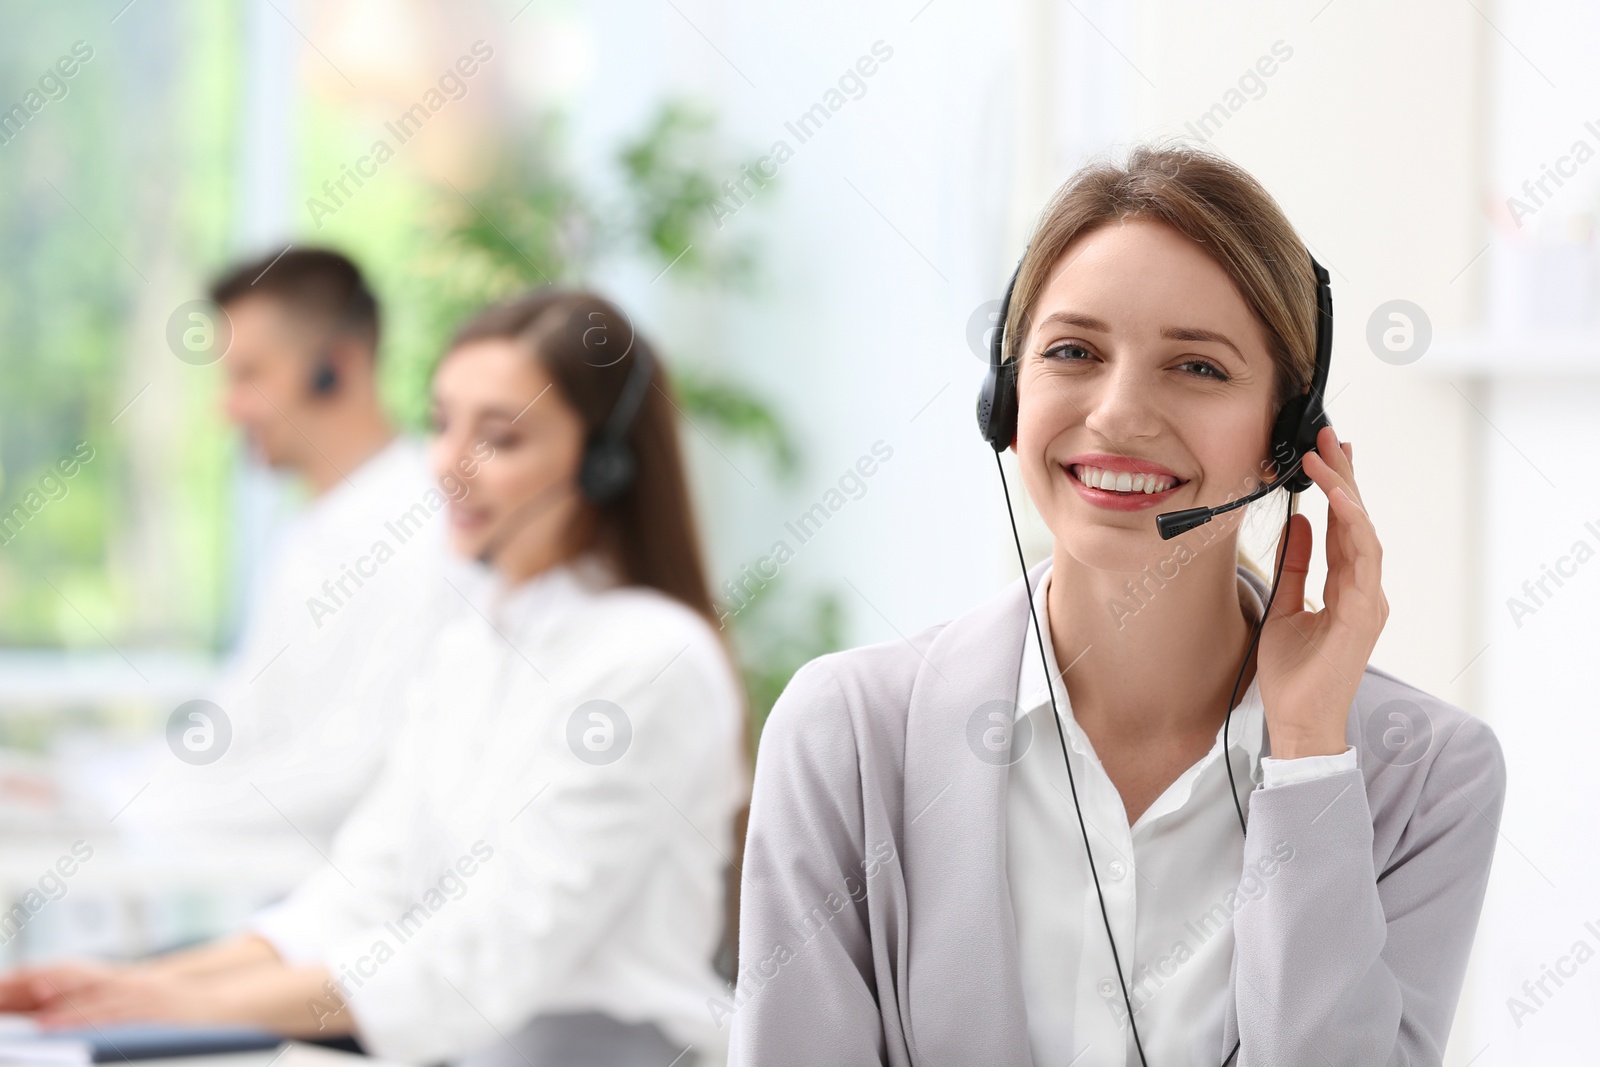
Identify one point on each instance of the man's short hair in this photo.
(313, 284)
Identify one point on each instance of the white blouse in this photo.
(1172, 881)
(550, 833)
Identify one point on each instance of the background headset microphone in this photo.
(1294, 433)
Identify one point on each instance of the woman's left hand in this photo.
(1311, 662)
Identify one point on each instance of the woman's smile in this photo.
(1120, 483)
(469, 519)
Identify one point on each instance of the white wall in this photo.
(883, 233)
(1536, 364)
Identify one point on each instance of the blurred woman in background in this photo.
(539, 874)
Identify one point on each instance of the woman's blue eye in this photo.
(1212, 370)
(1052, 353)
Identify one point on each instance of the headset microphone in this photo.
(523, 514)
(1173, 523)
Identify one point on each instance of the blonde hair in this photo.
(1215, 203)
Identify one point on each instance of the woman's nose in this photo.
(1123, 406)
(448, 450)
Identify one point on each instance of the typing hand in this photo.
(28, 989)
(132, 994)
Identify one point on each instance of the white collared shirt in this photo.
(311, 697)
(549, 833)
(1171, 881)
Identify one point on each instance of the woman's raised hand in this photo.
(1310, 662)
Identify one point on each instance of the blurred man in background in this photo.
(297, 727)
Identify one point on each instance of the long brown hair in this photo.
(1215, 203)
(588, 345)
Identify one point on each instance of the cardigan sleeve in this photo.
(1339, 963)
(805, 991)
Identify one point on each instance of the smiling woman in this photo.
(1033, 896)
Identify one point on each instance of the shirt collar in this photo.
(402, 457)
(1245, 729)
(519, 605)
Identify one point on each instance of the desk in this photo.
(288, 1054)
(259, 1058)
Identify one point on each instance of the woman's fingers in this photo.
(1354, 551)
(1366, 569)
(1296, 543)
(94, 1004)
(1332, 457)
(1320, 459)
(1339, 458)
(1338, 546)
(1327, 478)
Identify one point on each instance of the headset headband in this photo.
(631, 397)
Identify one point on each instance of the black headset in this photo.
(607, 468)
(1294, 433)
(324, 379)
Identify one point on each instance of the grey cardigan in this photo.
(876, 923)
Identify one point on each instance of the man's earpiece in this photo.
(324, 380)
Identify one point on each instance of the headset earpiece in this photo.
(606, 470)
(997, 396)
(1285, 433)
(608, 465)
(324, 376)
(1303, 417)
(997, 406)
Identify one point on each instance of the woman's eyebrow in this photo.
(1072, 318)
(1195, 333)
(490, 416)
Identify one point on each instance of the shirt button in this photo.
(1116, 869)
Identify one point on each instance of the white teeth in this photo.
(1122, 481)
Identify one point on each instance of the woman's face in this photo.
(1139, 355)
(506, 451)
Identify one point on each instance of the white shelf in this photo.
(1513, 355)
